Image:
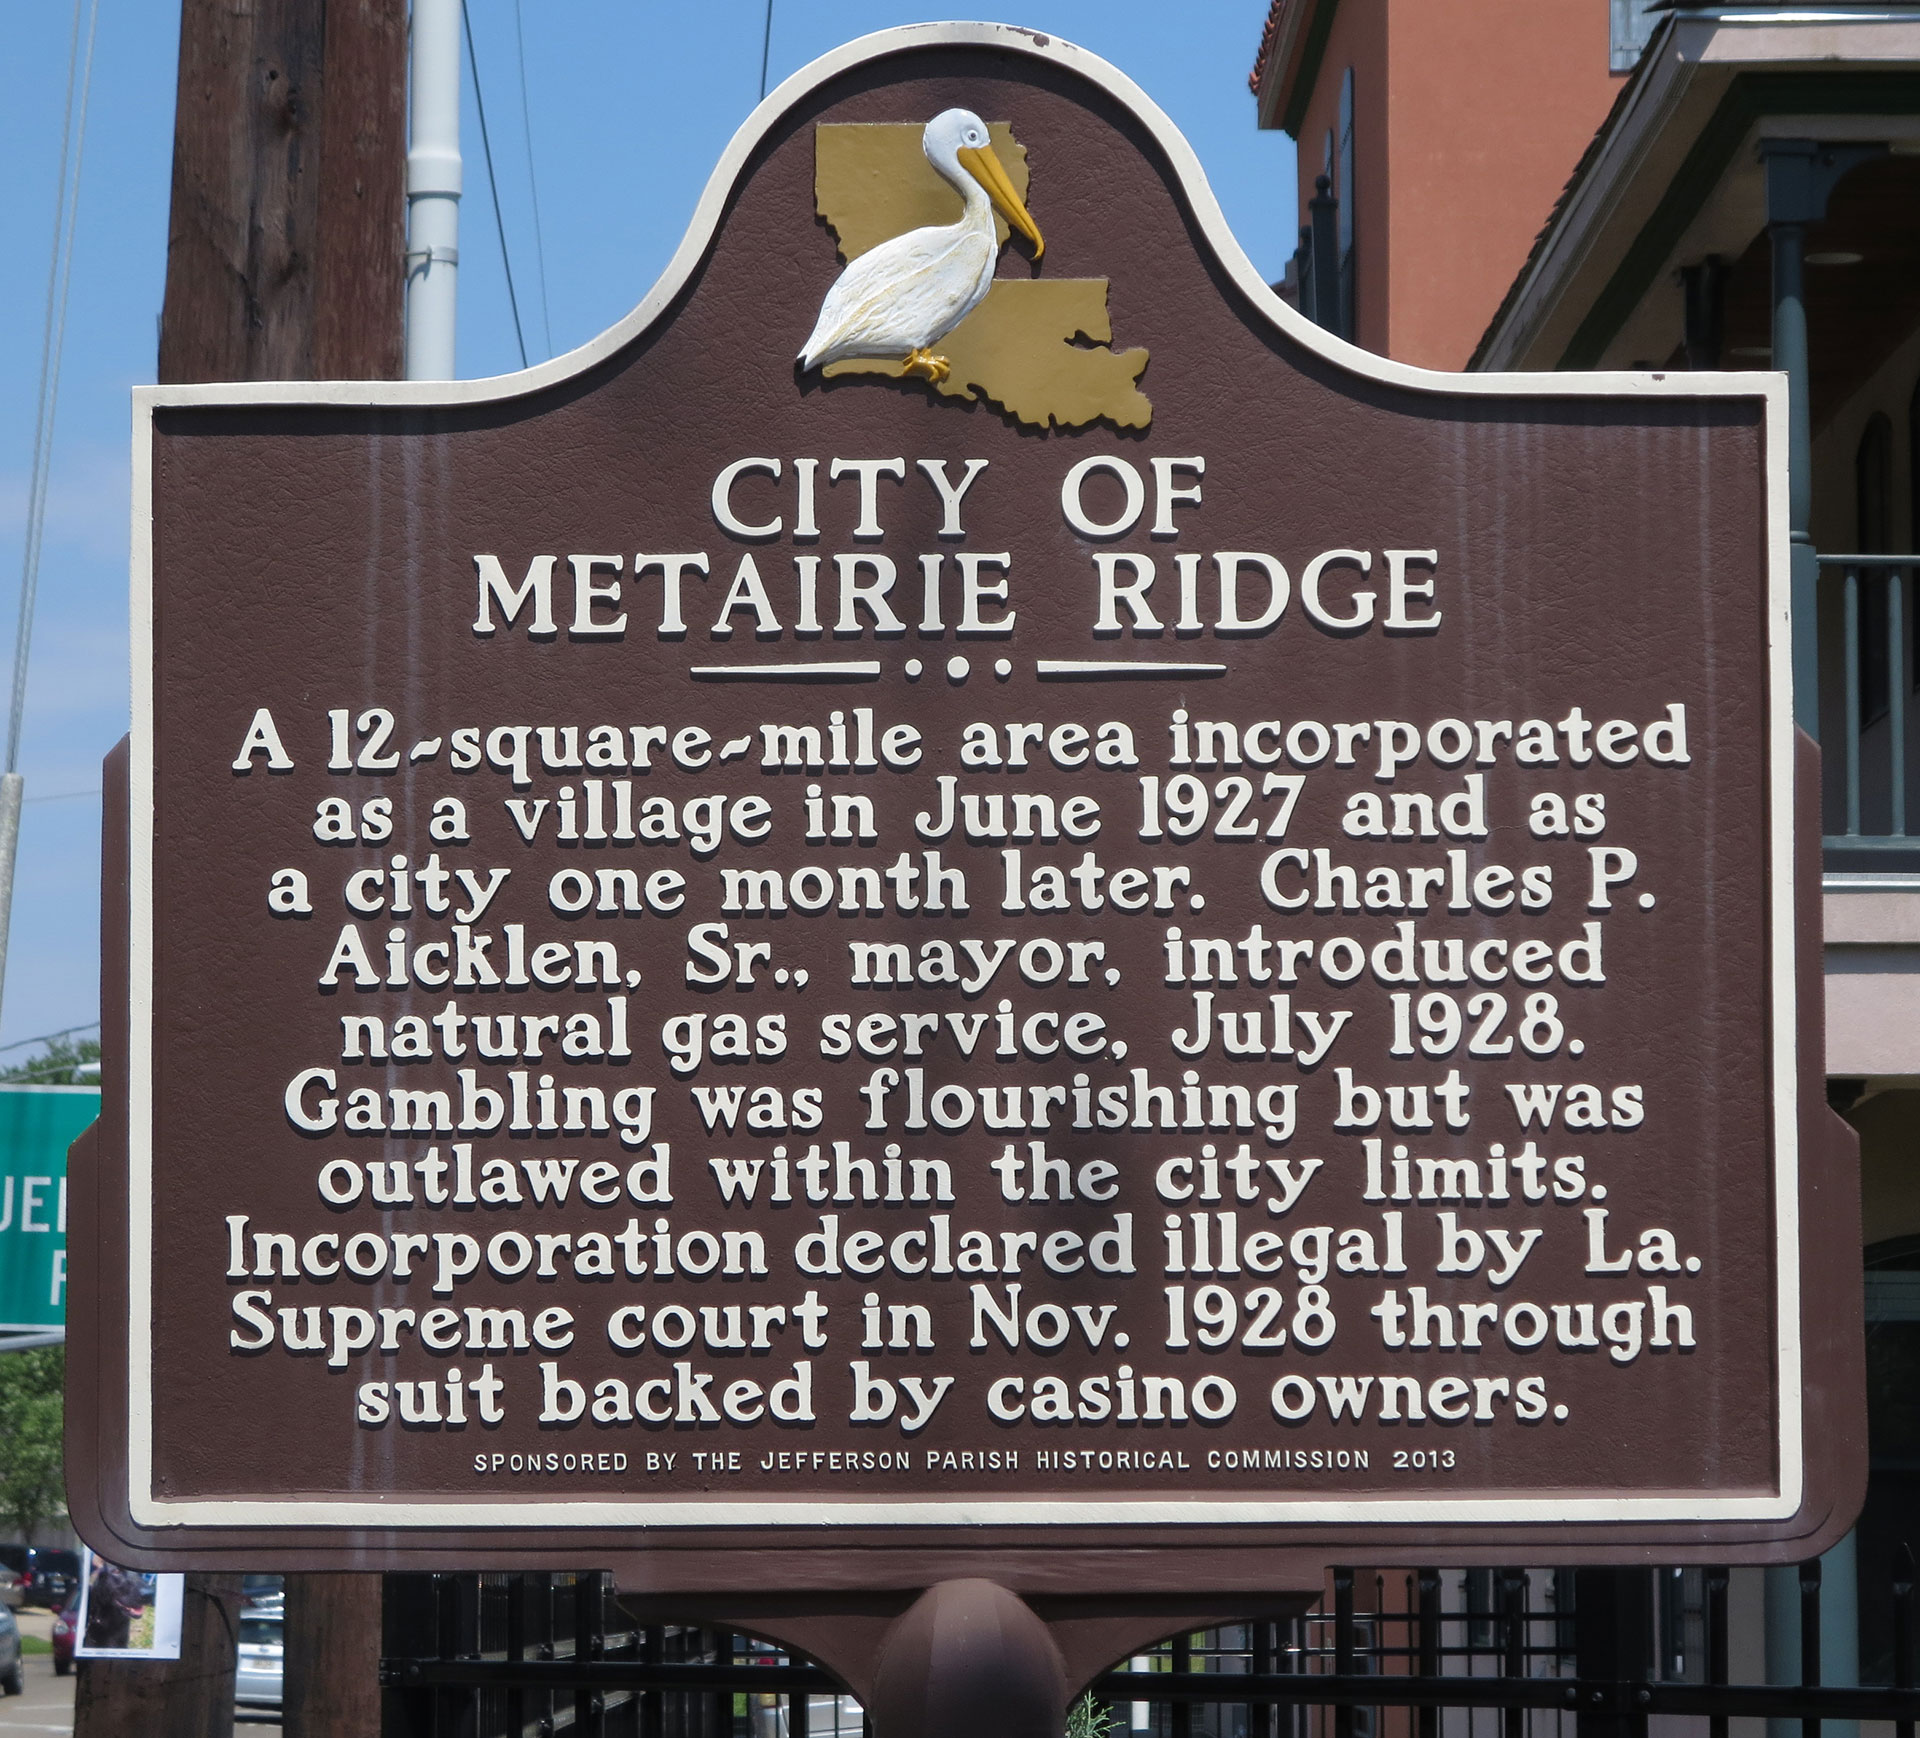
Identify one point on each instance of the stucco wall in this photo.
(1470, 119)
(1889, 1125)
(1358, 40)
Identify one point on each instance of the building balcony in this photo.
(1871, 818)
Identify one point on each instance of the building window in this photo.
(1913, 466)
(1631, 25)
(1343, 191)
(1873, 494)
(1889, 1525)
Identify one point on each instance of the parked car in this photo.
(260, 1662)
(66, 1628)
(13, 1670)
(51, 1574)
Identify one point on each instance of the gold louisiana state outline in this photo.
(1026, 347)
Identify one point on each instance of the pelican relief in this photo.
(896, 301)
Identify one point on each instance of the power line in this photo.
(533, 184)
(766, 44)
(493, 186)
(48, 1037)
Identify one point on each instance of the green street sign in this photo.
(37, 1125)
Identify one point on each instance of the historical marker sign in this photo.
(1086, 919)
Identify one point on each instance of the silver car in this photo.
(260, 1664)
(13, 1671)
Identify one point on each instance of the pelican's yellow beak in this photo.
(985, 167)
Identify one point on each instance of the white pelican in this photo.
(899, 299)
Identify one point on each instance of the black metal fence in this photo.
(1478, 1653)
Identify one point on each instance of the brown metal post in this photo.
(968, 1658)
(284, 262)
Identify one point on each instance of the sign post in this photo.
(965, 925)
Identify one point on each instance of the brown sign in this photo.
(1084, 932)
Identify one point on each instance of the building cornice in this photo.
(1750, 64)
(1292, 46)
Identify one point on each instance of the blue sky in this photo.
(629, 103)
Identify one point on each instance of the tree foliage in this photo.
(1089, 1719)
(58, 1065)
(32, 1485)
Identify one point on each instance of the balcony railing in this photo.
(1867, 671)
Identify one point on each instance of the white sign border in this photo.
(747, 1513)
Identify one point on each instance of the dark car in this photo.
(50, 1576)
(65, 1628)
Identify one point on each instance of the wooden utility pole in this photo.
(332, 1685)
(285, 250)
(191, 1697)
(288, 229)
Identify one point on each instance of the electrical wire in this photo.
(493, 186)
(31, 1072)
(52, 343)
(766, 44)
(533, 183)
(49, 1037)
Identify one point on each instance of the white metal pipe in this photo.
(12, 791)
(433, 189)
(28, 1342)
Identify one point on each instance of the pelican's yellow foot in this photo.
(928, 366)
